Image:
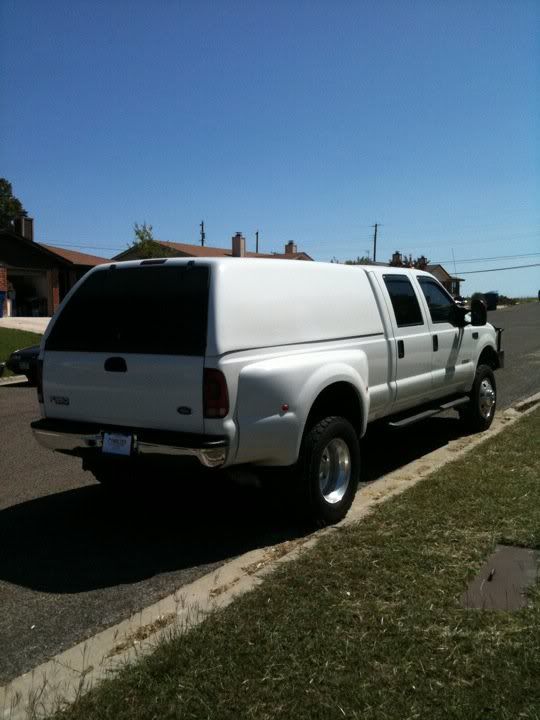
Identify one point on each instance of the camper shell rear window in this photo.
(150, 309)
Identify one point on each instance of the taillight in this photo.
(215, 394)
(39, 380)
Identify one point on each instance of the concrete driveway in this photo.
(75, 559)
(30, 324)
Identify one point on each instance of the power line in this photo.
(69, 245)
(513, 267)
(484, 259)
(427, 245)
(459, 229)
(441, 262)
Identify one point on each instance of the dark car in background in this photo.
(492, 298)
(24, 362)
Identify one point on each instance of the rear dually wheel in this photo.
(329, 469)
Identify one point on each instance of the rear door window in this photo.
(404, 300)
(147, 310)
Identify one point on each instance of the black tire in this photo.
(332, 444)
(478, 414)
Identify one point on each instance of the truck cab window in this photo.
(404, 300)
(439, 303)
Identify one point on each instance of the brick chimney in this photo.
(24, 226)
(396, 260)
(290, 248)
(238, 245)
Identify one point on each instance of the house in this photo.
(237, 249)
(34, 277)
(450, 282)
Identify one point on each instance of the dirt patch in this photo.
(503, 580)
(141, 633)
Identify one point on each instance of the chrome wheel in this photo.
(335, 470)
(486, 398)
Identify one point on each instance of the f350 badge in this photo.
(59, 400)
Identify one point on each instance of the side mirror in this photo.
(478, 310)
(457, 316)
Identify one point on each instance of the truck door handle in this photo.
(435, 343)
(115, 364)
(400, 349)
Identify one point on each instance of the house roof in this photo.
(438, 270)
(19, 251)
(195, 250)
(281, 256)
(209, 251)
(77, 258)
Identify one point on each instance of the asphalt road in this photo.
(521, 342)
(74, 559)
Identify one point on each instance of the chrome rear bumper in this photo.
(79, 439)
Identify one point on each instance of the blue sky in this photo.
(308, 121)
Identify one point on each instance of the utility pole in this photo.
(375, 242)
(203, 234)
(257, 241)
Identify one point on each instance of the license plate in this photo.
(24, 365)
(117, 444)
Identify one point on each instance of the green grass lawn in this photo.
(368, 624)
(11, 340)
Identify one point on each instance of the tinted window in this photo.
(157, 310)
(406, 307)
(439, 303)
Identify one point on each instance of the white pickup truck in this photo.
(272, 363)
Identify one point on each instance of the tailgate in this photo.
(154, 391)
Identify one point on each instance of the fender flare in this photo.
(481, 348)
(326, 376)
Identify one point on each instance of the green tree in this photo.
(143, 233)
(364, 260)
(145, 243)
(10, 206)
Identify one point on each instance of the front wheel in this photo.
(329, 468)
(479, 412)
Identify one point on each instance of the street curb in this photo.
(73, 672)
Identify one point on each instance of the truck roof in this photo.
(257, 262)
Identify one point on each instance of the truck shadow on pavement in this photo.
(89, 538)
